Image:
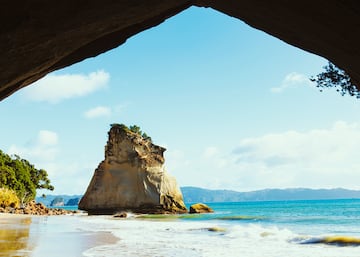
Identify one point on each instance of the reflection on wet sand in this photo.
(15, 236)
(43, 236)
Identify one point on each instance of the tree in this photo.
(146, 137)
(134, 128)
(336, 77)
(21, 176)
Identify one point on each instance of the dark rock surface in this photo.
(37, 37)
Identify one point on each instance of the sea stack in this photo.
(132, 178)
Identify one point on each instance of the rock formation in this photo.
(132, 178)
(37, 37)
(33, 208)
(200, 208)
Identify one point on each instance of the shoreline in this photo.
(42, 236)
(33, 208)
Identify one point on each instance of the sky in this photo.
(233, 106)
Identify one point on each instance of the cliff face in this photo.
(132, 178)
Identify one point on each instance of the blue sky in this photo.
(232, 105)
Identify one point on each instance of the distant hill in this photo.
(66, 199)
(196, 194)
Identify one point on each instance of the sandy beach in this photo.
(40, 236)
(270, 229)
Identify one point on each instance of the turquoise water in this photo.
(315, 216)
(68, 207)
(321, 228)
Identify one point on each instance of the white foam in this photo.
(192, 238)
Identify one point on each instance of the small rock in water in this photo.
(216, 229)
(120, 215)
(200, 208)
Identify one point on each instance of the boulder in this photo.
(132, 178)
(200, 208)
(120, 215)
(33, 208)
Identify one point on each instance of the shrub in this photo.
(8, 198)
(134, 128)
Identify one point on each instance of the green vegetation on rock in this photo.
(22, 177)
(134, 128)
(337, 78)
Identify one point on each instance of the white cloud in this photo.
(68, 176)
(99, 111)
(54, 88)
(213, 156)
(105, 111)
(210, 152)
(317, 158)
(176, 159)
(178, 165)
(44, 147)
(292, 80)
(47, 138)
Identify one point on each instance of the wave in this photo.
(204, 217)
(175, 236)
(332, 240)
(163, 217)
(241, 217)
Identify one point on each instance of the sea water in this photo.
(321, 228)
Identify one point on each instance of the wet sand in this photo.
(40, 236)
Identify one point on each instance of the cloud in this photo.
(317, 158)
(68, 176)
(210, 152)
(176, 159)
(99, 111)
(55, 88)
(47, 138)
(44, 147)
(291, 80)
(105, 111)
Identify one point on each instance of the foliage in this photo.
(8, 198)
(336, 77)
(137, 130)
(121, 126)
(21, 176)
(134, 128)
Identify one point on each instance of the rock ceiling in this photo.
(37, 37)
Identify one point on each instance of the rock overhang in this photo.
(39, 37)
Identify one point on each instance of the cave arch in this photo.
(39, 37)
